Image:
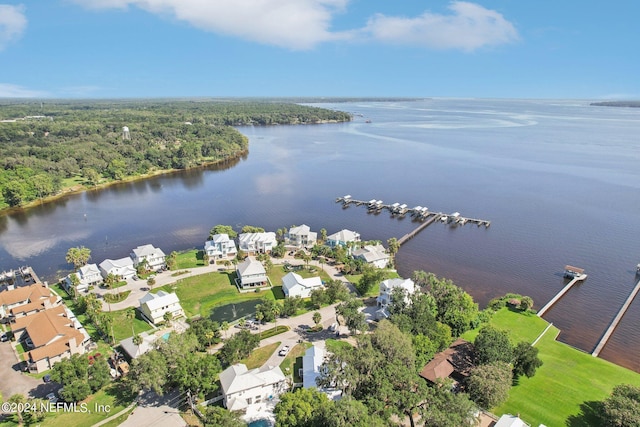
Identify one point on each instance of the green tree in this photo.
(525, 360)
(441, 408)
(493, 345)
(317, 317)
(223, 229)
(371, 277)
(78, 256)
(489, 384)
(622, 407)
(149, 371)
(354, 319)
(168, 317)
(526, 303)
(323, 235)
(291, 305)
(393, 245)
(252, 229)
(18, 399)
(197, 372)
(269, 308)
(238, 346)
(215, 416)
(301, 408)
(15, 193)
(98, 374)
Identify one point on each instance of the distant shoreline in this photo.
(628, 104)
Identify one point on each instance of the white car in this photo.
(284, 350)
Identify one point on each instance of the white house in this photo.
(293, 285)
(508, 420)
(134, 351)
(122, 268)
(154, 257)
(154, 306)
(386, 290)
(375, 255)
(251, 274)
(342, 237)
(242, 388)
(88, 275)
(220, 246)
(301, 237)
(257, 242)
(311, 365)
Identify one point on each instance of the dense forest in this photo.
(46, 148)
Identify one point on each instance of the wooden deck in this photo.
(560, 294)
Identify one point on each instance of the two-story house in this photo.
(253, 243)
(154, 257)
(243, 388)
(155, 306)
(220, 246)
(300, 237)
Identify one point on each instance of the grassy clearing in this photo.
(293, 361)
(277, 272)
(332, 345)
(560, 392)
(122, 325)
(375, 290)
(117, 297)
(200, 294)
(190, 259)
(259, 356)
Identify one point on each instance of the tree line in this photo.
(45, 149)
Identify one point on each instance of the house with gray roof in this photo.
(220, 246)
(122, 268)
(242, 388)
(155, 306)
(251, 274)
(300, 237)
(342, 238)
(254, 243)
(294, 285)
(375, 255)
(154, 257)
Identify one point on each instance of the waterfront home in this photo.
(155, 306)
(293, 285)
(122, 268)
(342, 238)
(220, 246)
(23, 296)
(251, 274)
(375, 255)
(88, 275)
(300, 237)
(312, 362)
(242, 388)
(387, 288)
(253, 243)
(153, 256)
(50, 336)
(455, 363)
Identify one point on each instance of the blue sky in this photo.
(223, 48)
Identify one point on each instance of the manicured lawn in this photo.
(200, 294)
(375, 290)
(122, 325)
(566, 382)
(116, 297)
(189, 259)
(110, 399)
(277, 273)
(293, 361)
(521, 326)
(259, 356)
(332, 345)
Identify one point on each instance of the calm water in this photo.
(559, 180)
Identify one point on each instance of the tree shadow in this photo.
(589, 415)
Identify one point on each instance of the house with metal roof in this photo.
(220, 246)
(251, 274)
(375, 255)
(342, 238)
(294, 285)
(387, 288)
(122, 268)
(242, 387)
(155, 306)
(253, 243)
(300, 237)
(88, 275)
(153, 256)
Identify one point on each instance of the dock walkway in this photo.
(616, 320)
(559, 295)
(421, 227)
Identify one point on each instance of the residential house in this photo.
(134, 351)
(242, 388)
(455, 362)
(50, 335)
(375, 255)
(342, 238)
(154, 257)
(88, 275)
(293, 285)
(300, 237)
(220, 246)
(122, 268)
(251, 274)
(508, 420)
(312, 362)
(253, 243)
(23, 296)
(155, 306)
(386, 291)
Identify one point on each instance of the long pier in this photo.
(576, 279)
(616, 320)
(421, 227)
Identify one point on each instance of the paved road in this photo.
(154, 410)
(13, 381)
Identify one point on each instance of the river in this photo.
(559, 181)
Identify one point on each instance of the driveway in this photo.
(154, 410)
(13, 381)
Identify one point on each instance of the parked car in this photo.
(284, 351)
(3, 337)
(52, 397)
(47, 379)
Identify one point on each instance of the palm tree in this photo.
(130, 315)
(317, 317)
(78, 256)
(224, 326)
(168, 317)
(137, 340)
(259, 317)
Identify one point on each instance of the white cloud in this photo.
(12, 24)
(469, 27)
(293, 24)
(8, 90)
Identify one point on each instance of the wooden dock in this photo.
(616, 320)
(576, 279)
(421, 227)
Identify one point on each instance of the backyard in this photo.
(568, 382)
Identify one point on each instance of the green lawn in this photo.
(200, 294)
(259, 356)
(293, 361)
(276, 273)
(566, 385)
(189, 259)
(332, 344)
(375, 290)
(122, 325)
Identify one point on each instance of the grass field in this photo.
(259, 356)
(122, 325)
(189, 259)
(200, 294)
(277, 272)
(293, 361)
(565, 386)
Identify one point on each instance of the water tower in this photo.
(125, 132)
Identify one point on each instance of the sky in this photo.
(569, 49)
